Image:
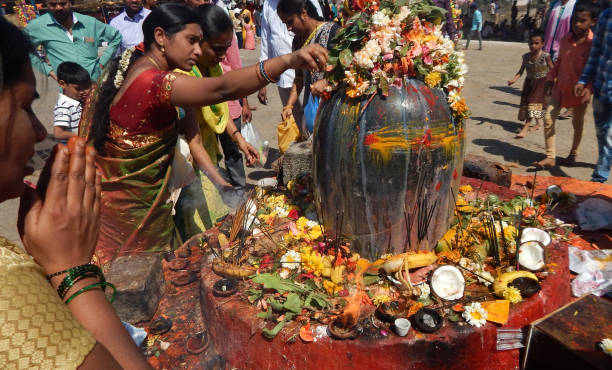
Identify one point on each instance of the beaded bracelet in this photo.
(76, 274)
(60, 272)
(102, 284)
(265, 75)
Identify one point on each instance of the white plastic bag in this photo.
(253, 137)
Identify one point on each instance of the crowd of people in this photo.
(169, 86)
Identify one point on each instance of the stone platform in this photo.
(236, 340)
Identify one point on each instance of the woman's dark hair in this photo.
(296, 6)
(14, 49)
(72, 73)
(172, 18)
(214, 21)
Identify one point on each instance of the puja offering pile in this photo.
(493, 256)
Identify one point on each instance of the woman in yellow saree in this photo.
(131, 121)
(200, 205)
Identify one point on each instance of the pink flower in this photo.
(387, 56)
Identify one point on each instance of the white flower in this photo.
(362, 60)
(475, 315)
(118, 80)
(606, 346)
(281, 211)
(291, 260)
(454, 97)
(404, 12)
(380, 19)
(311, 224)
(488, 278)
(372, 49)
(425, 291)
(284, 274)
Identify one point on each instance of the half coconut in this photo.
(533, 234)
(531, 256)
(448, 283)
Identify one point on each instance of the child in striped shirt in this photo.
(75, 83)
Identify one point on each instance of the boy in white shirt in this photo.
(75, 83)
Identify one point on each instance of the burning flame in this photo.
(350, 316)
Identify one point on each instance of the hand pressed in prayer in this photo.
(59, 221)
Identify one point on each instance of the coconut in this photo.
(534, 234)
(447, 282)
(531, 256)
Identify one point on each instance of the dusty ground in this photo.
(490, 131)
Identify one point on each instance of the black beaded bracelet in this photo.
(75, 274)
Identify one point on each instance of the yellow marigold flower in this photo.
(290, 184)
(510, 232)
(315, 233)
(465, 189)
(433, 79)
(302, 223)
(380, 299)
(512, 294)
(331, 287)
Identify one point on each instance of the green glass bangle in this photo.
(76, 279)
(78, 273)
(102, 284)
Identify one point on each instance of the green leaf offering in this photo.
(293, 303)
(272, 281)
(346, 57)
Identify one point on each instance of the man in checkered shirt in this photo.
(598, 70)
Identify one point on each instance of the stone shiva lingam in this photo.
(389, 140)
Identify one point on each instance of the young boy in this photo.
(75, 83)
(573, 54)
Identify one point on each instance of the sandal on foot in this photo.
(570, 160)
(545, 163)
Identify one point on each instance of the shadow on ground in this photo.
(510, 126)
(498, 102)
(507, 89)
(510, 153)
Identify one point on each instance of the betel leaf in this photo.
(272, 281)
(265, 315)
(346, 57)
(315, 299)
(276, 305)
(254, 294)
(271, 333)
(332, 61)
(370, 279)
(293, 303)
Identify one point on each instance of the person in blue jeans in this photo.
(598, 71)
(476, 26)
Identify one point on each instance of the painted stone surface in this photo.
(384, 168)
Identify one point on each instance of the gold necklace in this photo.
(312, 34)
(153, 61)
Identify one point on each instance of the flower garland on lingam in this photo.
(389, 40)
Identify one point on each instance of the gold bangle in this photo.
(288, 107)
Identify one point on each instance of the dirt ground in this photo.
(490, 130)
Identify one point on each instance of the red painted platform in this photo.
(235, 332)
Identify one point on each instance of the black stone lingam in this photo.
(225, 287)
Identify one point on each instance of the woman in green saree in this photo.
(132, 122)
(200, 205)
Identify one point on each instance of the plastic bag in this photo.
(253, 137)
(288, 132)
(310, 112)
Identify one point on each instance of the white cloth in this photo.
(130, 28)
(276, 40)
(68, 33)
(67, 113)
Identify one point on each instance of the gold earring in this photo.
(163, 50)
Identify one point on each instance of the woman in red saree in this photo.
(132, 121)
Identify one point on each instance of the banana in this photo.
(502, 281)
(414, 260)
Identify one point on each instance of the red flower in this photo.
(370, 139)
(140, 47)
(266, 262)
(455, 174)
(293, 214)
(438, 185)
(427, 138)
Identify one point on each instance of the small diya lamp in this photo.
(225, 287)
(160, 326)
(197, 343)
(389, 311)
(345, 326)
(427, 320)
(184, 277)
